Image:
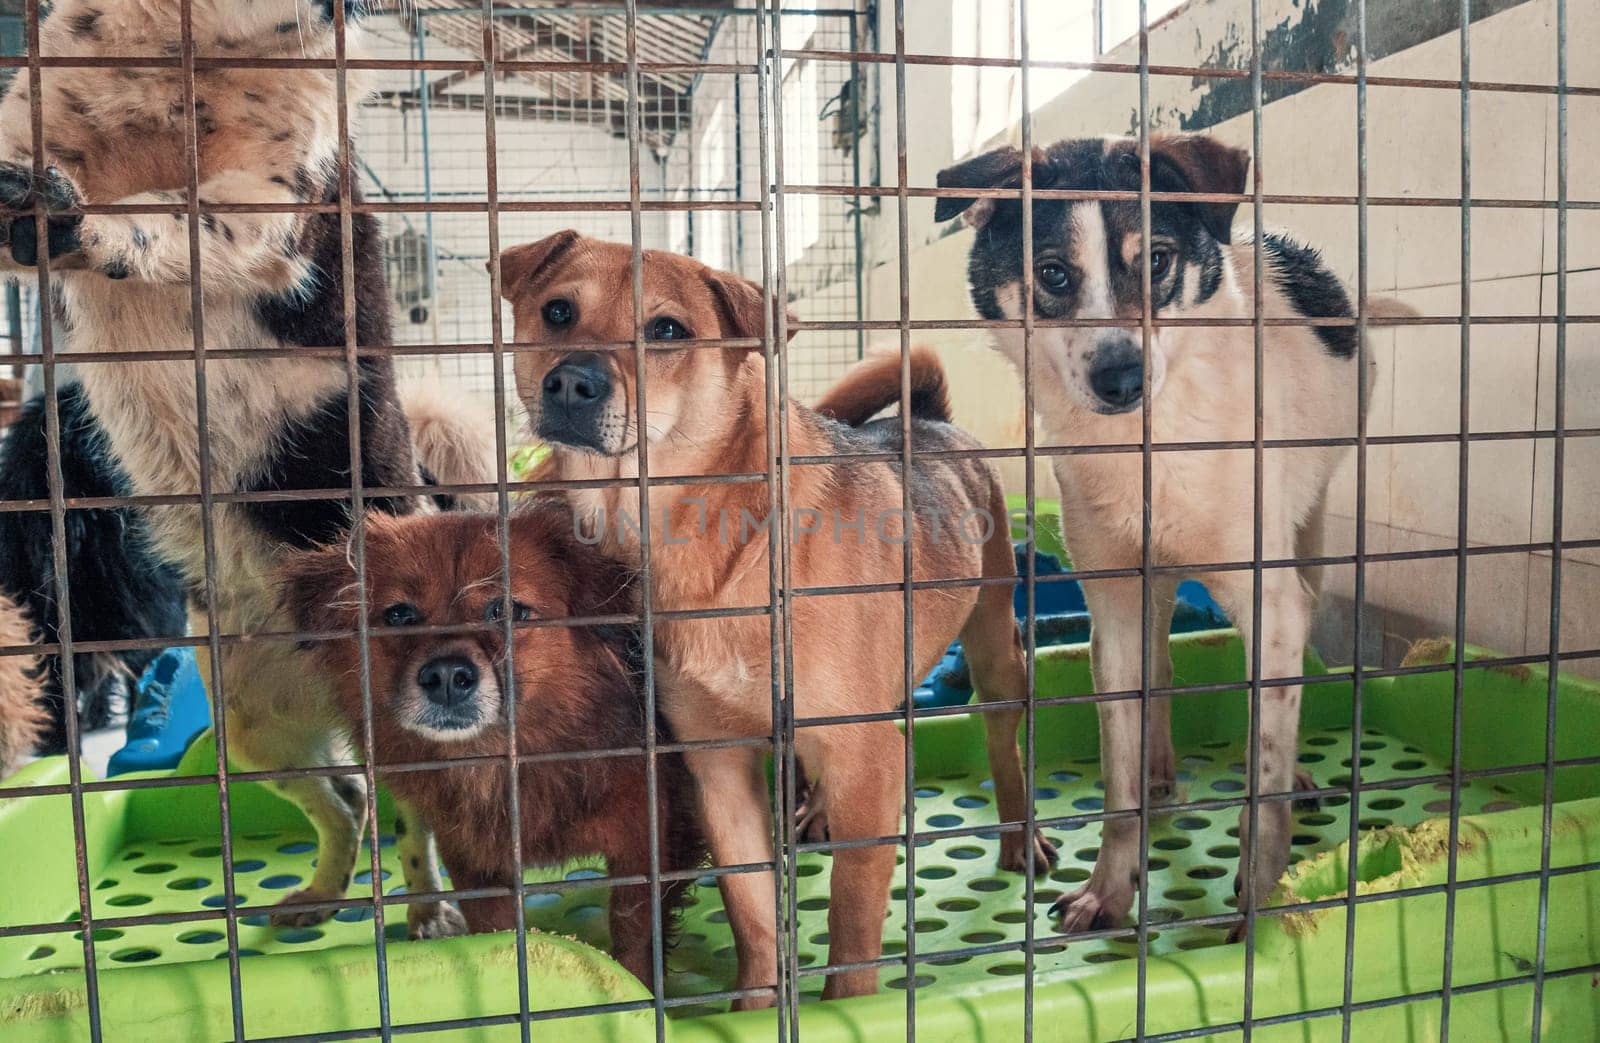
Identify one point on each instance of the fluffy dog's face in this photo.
(302, 19)
(573, 296)
(1088, 257)
(445, 570)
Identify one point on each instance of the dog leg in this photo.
(995, 655)
(277, 719)
(419, 864)
(1163, 766)
(482, 915)
(737, 817)
(865, 791)
(1114, 656)
(1285, 627)
(630, 916)
(337, 808)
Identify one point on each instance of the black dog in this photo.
(118, 588)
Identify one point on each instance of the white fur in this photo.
(1202, 512)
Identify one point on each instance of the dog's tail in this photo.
(454, 436)
(874, 385)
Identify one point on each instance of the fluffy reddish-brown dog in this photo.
(438, 696)
(22, 714)
(706, 414)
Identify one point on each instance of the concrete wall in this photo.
(1309, 147)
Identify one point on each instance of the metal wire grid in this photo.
(563, 137)
(770, 71)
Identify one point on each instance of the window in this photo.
(987, 101)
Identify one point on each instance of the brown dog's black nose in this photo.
(448, 680)
(578, 383)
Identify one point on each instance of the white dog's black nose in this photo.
(1116, 374)
(448, 680)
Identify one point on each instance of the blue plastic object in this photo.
(1060, 618)
(169, 711)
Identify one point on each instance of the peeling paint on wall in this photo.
(1317, 36)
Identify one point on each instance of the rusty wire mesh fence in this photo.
(781, 143)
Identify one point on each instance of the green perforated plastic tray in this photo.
(156, 850)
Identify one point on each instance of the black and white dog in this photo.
(269, 279)
(1088, 259)
(121, 590)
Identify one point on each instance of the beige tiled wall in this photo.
(1414, 253)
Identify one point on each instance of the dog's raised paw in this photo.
(16, 186)
(434, 920)
(302, 917)
(20, 190)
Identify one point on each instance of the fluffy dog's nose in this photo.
(579, 382)
(448, 680)
(1117, 374)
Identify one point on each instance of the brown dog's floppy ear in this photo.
(316, 587)
(1198, 163)
(520, 266)
(739, 300)
(1001, 168)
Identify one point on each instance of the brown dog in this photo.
(707, 415)
(440, 696)
(22, 713)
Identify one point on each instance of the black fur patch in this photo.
(1315, 292)
(119, 588)
(314, 454)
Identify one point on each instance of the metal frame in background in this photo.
(768, 71)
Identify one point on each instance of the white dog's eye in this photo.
(1160, 262)
(1053, 275)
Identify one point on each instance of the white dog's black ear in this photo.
(1197, 163)
(1001, 168)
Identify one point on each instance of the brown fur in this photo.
(707, 416)
(22, 714)
(577, 689)
(858, 396)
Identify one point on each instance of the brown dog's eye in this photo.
(403, 614)
(1160, 263)
(559, 312)
(667, 329)
(494, 611)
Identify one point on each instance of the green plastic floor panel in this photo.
(156, 851)
(962, 901)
